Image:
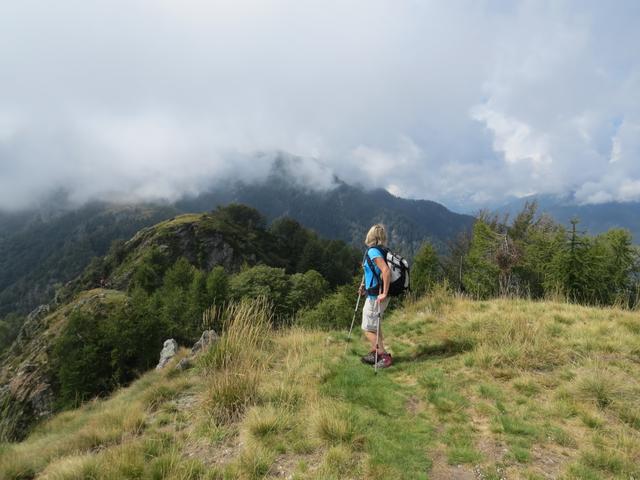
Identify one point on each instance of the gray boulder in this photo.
(208, 338)
(169, 350)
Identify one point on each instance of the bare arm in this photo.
(386, 277)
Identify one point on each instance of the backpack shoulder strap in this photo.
(372, 266)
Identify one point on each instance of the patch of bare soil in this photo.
(452, 472)
(549, 460)
(285, 465)
(218, 454)
(491, 449)
(441, 470)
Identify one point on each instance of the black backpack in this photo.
(400, 278)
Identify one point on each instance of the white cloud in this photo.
(463, 102)
(514, 139)
(621, 180)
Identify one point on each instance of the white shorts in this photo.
(372, 313)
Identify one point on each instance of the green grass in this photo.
(475, 387)
(376, 411)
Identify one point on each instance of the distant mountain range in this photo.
(42, 249)
(343, 212)
(594, 219)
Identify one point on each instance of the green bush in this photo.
(333, 312)
(265, 282)
(537, 257)
(306, 290)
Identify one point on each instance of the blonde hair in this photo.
(376, 236)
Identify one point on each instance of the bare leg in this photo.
(371, 336)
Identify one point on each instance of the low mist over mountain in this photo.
(343, 211)
(43, 248)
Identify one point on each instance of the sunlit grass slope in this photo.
(502, 389)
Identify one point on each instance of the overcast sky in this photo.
(464, 102)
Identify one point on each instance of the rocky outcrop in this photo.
(30, 329)
(207, 339)
(169, 351)
(27, 398)
(25, 380)
(188, 236)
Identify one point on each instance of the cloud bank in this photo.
(465, 102)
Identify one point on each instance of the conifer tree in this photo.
(425, 271)
(481, 276)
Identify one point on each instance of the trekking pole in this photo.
(375, 365)
(353, 320)
(355, 312)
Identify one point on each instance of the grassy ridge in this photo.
(501, 389)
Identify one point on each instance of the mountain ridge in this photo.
(45, 251)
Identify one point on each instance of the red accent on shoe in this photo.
(384, 360)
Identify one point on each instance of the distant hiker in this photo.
(377, 278)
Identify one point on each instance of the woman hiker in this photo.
(377, 278)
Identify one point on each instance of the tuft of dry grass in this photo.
(230, 391)
(246, 331)
(267, 420)
(254, 463)
(333, 424)
(234, 366)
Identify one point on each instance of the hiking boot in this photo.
(369, 358)
(384, 360)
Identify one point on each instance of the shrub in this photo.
(334, 312)
(307, 290)
(481, 277)
(262, 281)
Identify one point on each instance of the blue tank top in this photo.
(370, 279)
